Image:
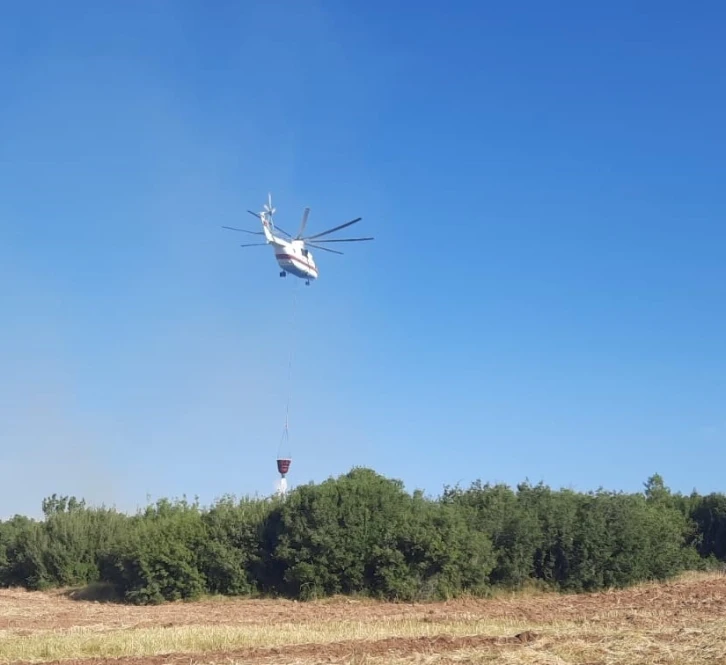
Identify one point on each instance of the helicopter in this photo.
(292, 254)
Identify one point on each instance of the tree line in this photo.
(362, 533)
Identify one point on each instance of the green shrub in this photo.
(364, 534)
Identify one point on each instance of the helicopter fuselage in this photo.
(294, 258)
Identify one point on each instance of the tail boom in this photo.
(267, 228)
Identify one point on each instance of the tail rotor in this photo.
(269, 210)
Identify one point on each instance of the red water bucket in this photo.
(283, 466)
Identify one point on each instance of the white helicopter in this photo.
(292, 255)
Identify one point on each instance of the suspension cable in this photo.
(285, 432)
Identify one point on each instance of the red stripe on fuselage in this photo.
(296, 259)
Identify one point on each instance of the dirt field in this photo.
(681, 622)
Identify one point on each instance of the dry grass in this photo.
(680, 622)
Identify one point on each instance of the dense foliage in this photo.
(363, 534)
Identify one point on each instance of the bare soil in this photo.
(665, 623)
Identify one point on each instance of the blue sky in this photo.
(544, 298)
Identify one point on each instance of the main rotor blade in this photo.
(325, 249)
(277, 228)
(254, 244)
(337, 228)
(303, 223)
(254, 233)
(345, 240)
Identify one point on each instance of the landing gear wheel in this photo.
(307, 282)
(283, 274)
